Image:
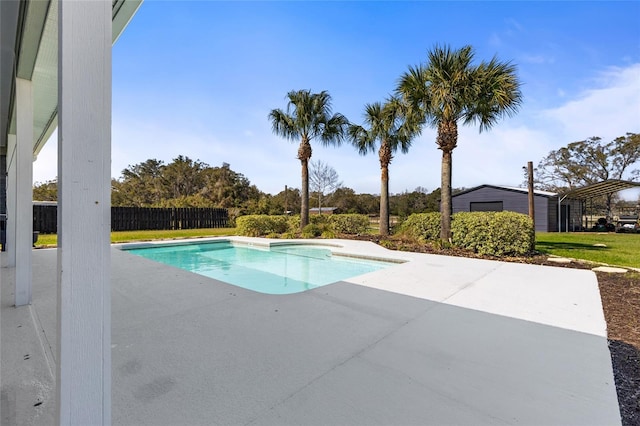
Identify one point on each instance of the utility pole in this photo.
(532, 214)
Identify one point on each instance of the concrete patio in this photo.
(436, 340)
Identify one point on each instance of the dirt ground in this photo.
(620, 295)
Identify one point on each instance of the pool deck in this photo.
(435, 340)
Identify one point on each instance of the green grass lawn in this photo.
(620, 250)
(50, 240)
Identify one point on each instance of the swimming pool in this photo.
(281, 269)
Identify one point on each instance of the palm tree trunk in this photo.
(445, 197)
(304, 154)
(304, 201)
(384, 201)
(385, 156)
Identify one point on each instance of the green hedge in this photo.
(326, 225)
(349, 223)
(512, 234)
(261, 225)
(488, 233)
(423, 226)
(493, 233)
(319, 219)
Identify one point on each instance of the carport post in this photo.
(84, 190)
(560, 200)
(559, 213)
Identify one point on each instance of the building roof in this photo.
(586, 192)
(29, 50)
(601, 188)
(508, 188)
(324, 209)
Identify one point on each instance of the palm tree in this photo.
(448, 89)
(389, 125)
(308, 116)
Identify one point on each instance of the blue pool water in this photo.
(276, 270)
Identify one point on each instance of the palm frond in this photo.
(361, 139)
(282, 124)
(334, 129)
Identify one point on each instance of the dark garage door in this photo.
(491, 206)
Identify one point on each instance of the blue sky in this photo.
(199, 79)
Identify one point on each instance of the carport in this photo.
(589, 192)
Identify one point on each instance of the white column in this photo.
(24, 190)
(10, 254)
(84, 213)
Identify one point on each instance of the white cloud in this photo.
(609, 110)
(537, 59)
(497, 156)
(514, 25)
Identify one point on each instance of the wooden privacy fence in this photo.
(45, 218)
(141, 218)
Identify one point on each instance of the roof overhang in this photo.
(29, 50)
(536, 192)
(598, 189)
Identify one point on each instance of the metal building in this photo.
(505, 198)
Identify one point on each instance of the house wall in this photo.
(511, 201)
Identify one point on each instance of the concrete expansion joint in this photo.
(47, 351)
(471, 283)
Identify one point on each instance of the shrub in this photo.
(470, 230)
(422, 226)
(294, 223)
(311, 231)
(349, 223)
(512, 234)
(319, 219)
(261, 225)
(493, 233)
(328, 234)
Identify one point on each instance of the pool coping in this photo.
(344, 248)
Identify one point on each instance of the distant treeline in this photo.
(188, 183)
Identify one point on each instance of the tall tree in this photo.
(141, 184)
(389, 126)
(183, 176)
(590, 161)
(324, 179)
(308, 116)
(182, 183)
(46, 191)
(450, 89)
(344, 199)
